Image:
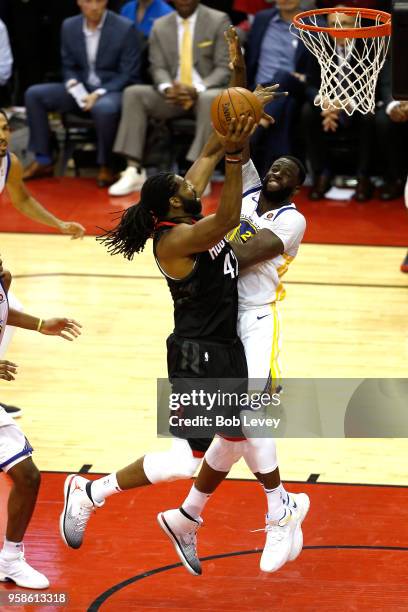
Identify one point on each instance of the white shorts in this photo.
(14, 446)
(259, 331)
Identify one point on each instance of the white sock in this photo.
(276, 508)
(195, 502)
(11, 550)
(104, 487)
(284, 494)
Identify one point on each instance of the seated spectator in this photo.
(254, 6)
(382, 5)
(392, 131)
(404, 265)
(275, 55)
(6, 63)
(318, 124)
(144, 13)
(189, 67)
(100, 57)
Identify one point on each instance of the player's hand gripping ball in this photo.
(233, 103)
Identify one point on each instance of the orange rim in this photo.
(382, 29)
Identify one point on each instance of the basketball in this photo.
(233, 103)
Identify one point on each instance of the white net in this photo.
(349, 67)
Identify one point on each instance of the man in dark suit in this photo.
(392, 131)
(189, 67)
(100, 57)
(275, 55)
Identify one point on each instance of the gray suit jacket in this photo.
(210, 49)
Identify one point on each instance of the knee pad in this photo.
(260, 455)
(222, 454)
(178, 463)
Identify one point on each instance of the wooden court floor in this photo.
(92, 402)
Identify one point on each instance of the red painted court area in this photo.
(355, 556)
(328, 221)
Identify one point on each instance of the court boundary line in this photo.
(141, 277)
(91, 235)
(103, 597)
(306, 482)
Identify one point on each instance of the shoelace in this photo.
(83, 517)
(190, 538)
(271, 525)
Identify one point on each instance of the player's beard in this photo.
(277, 196)
(193, 207)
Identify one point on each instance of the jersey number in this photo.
(230, 265)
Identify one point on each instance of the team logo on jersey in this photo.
(243, 232)
(1, 298)
(270, 215)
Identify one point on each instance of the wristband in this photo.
(39, 324)
(233, 160)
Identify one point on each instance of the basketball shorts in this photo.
(14, 446)
(259, 331)
(190, 359)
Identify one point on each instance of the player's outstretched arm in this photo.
(23, 201)
(186, 240)
(201, 171)
(69, 329)
(262, 246)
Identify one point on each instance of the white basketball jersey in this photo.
(4, 170)
(3, 311)
(261, 284)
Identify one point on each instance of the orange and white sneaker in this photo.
(78, 507)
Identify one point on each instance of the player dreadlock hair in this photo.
(137, 223)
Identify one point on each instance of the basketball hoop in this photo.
(350, 58)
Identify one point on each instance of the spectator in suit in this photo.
(6, 63)
(275, 55)
(144, 13)
(100, 51)
(189, 67)
(392, 131)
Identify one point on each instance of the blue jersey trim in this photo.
(283, 210)
(26, 451)
(252, 190)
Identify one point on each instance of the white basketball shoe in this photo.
(78, 507)
(279, 539)
(300, 502)
(19, 571)
(182, 531)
